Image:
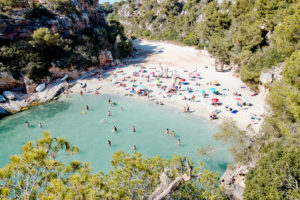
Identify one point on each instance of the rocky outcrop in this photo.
(3, 112)
(17, 27)
(268, 77)
(233, 182)
(7, 81)
(23, 102)
(105, 57)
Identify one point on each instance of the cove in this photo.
(90, 132)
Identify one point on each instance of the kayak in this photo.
(9, 95)
(40, 87)
(2, 99)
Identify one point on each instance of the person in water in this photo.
(87, 107)
(109, 142)
(40, 125)
(173, 133)
(178, 142)
(108, 113)
(134, 147)
(109, 101)
(115, 129)
(167, 131)
(27, 124)
(81, 93)
(133, 129)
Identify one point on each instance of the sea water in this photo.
(90, 130)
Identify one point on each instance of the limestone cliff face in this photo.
(17, 27)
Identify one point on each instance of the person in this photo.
(96, 92)
(27, 124)
(178, 142)
(108, 113)
(184, 109)
(109, 142)
(194, 98)
(167, 131)
(81, 93)
(188, 108)
(104, 120)
(109, 101)
(40, 125)
(134, 147)
(133, 129)
(173, 133)
(87, 107)
(115, 129)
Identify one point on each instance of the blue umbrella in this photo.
(213, 89)
(202, 91)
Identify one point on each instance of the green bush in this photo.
(63, 6)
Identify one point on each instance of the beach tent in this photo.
(142, 87)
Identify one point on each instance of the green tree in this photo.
(276, 176)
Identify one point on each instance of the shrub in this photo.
(39, 12)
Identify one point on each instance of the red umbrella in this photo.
(214, 100)
(182, 80)
(238, 99)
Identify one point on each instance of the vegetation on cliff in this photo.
(255, 35)
(38, 174)
(33, 56)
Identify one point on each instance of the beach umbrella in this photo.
(182, 80)
(214, 100)
(213, 89)
(142, 87)
(238, 99)
(197, 74)
(202, 91)
(215, 82)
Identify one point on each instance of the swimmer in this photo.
(133, 129)
(81, 93)
(87, 107)
(27, 124)
(134, 147)
(40, 125)
(108, 113)
(115, 129)
(173, 133)
(167, 131)
(178, 142)
(104, 121)
(109, 101)
(109, 142)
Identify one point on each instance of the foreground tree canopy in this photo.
(38, 173)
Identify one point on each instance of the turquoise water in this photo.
(90, 133)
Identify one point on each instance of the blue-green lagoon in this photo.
(90, 130)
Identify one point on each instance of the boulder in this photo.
(271, 75)
(30, 85)
(105, 57)
(7, 81)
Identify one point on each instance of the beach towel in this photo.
(234, 111)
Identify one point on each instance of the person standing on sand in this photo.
(187, 108)
(184, 109)
(81, 93)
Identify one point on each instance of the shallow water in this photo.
(90, 133)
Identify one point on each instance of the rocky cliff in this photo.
(17, 27)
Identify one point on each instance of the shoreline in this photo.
(182, 60)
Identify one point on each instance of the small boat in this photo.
(2, 99)
(40, 87)
(82, 84)
(65, 77)
(9, 95)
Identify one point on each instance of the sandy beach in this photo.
(154, 61)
